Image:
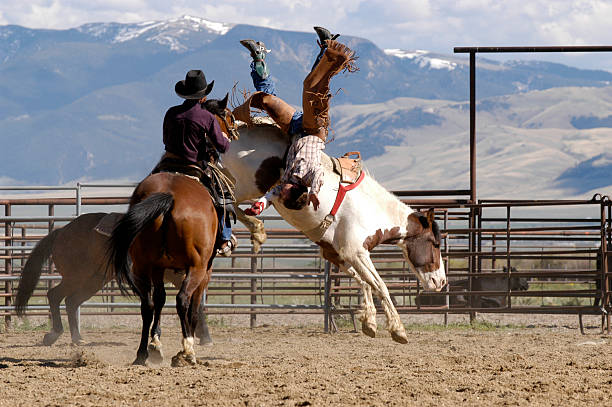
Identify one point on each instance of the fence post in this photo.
(605, 284)
(508, 286)
(446, 264)
(327, 299)
(472, 263)
(78, 213)
(253, 287)
(78, 199)
(8, 264)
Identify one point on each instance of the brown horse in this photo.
(78, 252)
(171, 224)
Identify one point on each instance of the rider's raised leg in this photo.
(315, 94)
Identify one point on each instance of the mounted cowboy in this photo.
(193, 142)
(302, 179)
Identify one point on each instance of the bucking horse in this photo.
(353, 218)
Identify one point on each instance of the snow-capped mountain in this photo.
(424, 58)
(179, 34)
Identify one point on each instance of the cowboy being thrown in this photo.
(303, 176)
(193, 141)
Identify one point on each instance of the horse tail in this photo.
(32, 270)
(130, 225)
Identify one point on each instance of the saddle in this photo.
(348, 168)
(223, 197)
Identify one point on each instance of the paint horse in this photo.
(79, 254)
(368, 216)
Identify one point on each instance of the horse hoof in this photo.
(139, 362)
(155, 354)
(369, 329)
(399, 337)
(50, 338)
(181, 359)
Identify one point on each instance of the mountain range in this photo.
(87, 104)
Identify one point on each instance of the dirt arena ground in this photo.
(544, 361)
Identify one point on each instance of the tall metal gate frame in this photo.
(474, 215)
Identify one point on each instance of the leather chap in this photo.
(278, 110)
(316, 95)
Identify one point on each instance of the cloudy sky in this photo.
(434, 25)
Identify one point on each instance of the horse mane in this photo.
(378, 192)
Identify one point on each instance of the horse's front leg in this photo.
(367, 316)
(255, 226)
(365, 268)
(201, 329)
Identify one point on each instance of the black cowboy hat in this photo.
(194, 86)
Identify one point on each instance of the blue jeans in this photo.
(226, 226)
(263, 85)
(316, 62)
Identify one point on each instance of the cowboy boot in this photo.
(278, 110)
(324, 34)
(315, 95)
(258, 53)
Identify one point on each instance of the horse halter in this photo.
(232, 129)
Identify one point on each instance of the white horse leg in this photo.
(255, 226)
(367, 316)
(364, 266)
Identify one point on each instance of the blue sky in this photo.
(434, 25)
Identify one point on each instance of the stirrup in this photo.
(227, 250)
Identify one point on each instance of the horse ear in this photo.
(223, 102)
(431, 216)
(424, 222)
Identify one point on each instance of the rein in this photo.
(233, 129)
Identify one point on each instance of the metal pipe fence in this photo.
(558, 247)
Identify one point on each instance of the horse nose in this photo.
(440, 282)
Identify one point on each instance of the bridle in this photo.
(232, 130)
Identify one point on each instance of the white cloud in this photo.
(119, 117)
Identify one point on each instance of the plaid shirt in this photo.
(304, 163)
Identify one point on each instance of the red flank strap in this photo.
(342, 190)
